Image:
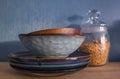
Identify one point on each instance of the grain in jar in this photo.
(99, 52)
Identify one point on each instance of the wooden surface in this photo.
(109, 71)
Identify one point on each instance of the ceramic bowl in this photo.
(52, 45)
(57, 31)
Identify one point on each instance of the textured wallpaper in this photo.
(24, 16)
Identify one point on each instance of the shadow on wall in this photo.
(114, 32)
(74, 21)
(10, 47)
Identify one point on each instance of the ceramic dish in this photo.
(28, 58)
(47, 73)
(49, 62)
(49, 68)
(27, 62)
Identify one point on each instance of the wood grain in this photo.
(108, 71)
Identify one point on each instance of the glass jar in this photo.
(97, 41)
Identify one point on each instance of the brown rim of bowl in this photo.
(57, 31)
(32, 59)
(77, 36)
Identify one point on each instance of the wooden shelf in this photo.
(108, 71)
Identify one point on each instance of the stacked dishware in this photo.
(51, 52)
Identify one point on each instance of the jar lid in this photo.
(93, 24)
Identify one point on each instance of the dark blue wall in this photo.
(24, 16)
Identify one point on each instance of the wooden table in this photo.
(109, 71)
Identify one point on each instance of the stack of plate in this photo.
(26, 61)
